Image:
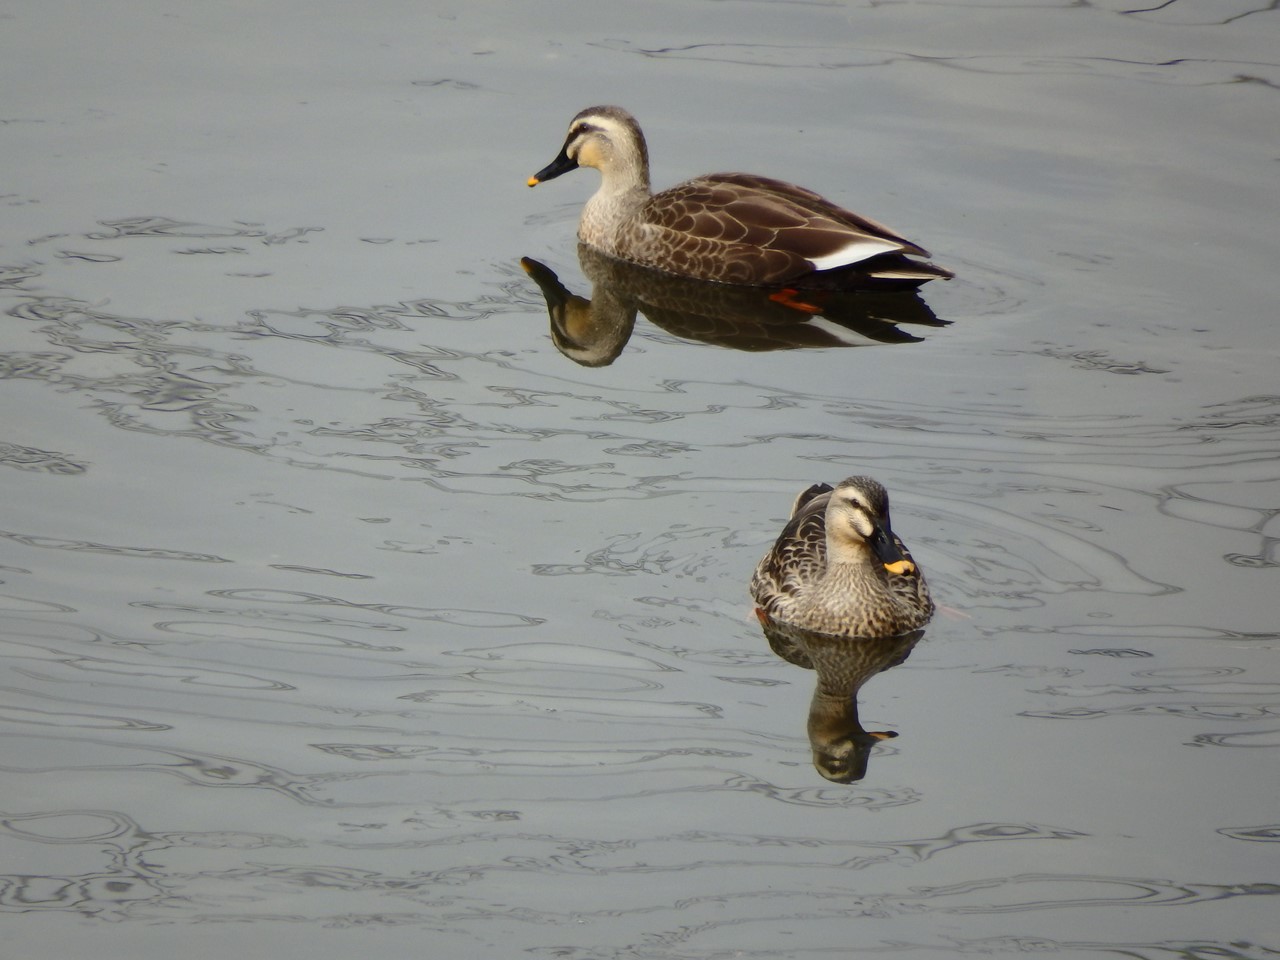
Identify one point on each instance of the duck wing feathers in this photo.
(742, 228)
(799, 556)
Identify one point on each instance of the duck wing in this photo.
(798, 557)
(742, 228)
(910, 587)
(819, 204)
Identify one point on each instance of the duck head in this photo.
(607, 138)
(858, 519)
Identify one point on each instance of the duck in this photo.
(735, 228)
(838, 569)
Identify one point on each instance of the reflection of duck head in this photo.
(841, 747)
(589, 332)
(593, 332)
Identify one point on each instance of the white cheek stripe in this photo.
(854, 252)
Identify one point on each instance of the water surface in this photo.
(341, 612)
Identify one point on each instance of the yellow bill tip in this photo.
(901, 567)
(534, 181)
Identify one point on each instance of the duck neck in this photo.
(844, 577)
(624, 188)
(847, 552)
(851, 570)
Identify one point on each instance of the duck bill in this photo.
(561, 165)
(885, 547)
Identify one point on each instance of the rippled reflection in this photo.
(841, 746)
(593, 332)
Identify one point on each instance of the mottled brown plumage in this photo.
(838, 569)
(727, 227)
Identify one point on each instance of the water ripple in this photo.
(1181, 71)
(1040, 891)
(461, 633)
(464, 618)
(85, 546)
(40, 461)
(1269, 833)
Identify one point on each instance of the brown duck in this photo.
(838, 569)
(726, 227)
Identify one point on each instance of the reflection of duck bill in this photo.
(843, 757)
(593, 332)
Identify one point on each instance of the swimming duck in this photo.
(727, 227)
(838, 568)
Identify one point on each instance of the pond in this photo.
(344, 610)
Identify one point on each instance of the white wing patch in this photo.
(855, 252)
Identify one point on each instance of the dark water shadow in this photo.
(593, 332)
(841, 746)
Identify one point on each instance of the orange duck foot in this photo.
(787, 297)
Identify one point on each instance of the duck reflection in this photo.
(841, 747)
(594, 332)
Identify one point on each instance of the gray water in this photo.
(341, 614)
